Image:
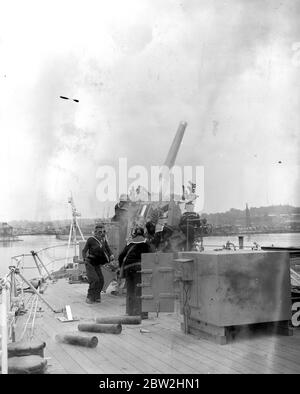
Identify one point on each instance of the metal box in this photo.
(157, 282)
(239, 287)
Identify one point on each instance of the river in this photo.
(25, 244)
(38, 242)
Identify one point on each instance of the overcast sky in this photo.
(231, 69)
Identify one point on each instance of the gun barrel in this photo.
(164, 179)
(172, 154)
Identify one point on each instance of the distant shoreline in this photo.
(216, 234)
(17, 239)
(221, 234)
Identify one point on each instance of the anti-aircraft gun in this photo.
(166, 228)
(140, 209)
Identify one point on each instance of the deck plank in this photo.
(235, 357)
(198, 350)
(170, 344)
(164, 349)
(70, 356)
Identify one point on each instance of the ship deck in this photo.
(161, 349)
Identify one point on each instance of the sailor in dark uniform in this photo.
(95, 253)
(189, 224)
(130, 265)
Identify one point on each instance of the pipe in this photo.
(36, 262)
(101, 328)
(119, 320)
(77, 340)
(38, 294)
(43, 265)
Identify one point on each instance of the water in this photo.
(34, 242)
(37, 242)
(277, 239)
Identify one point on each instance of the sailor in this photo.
(189, 224)
(122, 217)
(121, 209)
(150, 233)
(130, 267)
(95, 253)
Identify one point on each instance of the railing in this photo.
(230, 246)
(4, 286)
(12, 289)
(45, 255)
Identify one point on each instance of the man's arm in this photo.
(122, 255)
(108, 248)
(85, 249)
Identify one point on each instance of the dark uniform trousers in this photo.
(95, 280)
(133, 294)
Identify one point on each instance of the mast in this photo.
(73, 228)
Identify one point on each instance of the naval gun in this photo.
(167, 229)
(138, 209)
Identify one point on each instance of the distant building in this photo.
(6, 231)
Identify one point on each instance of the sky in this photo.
(230, 69)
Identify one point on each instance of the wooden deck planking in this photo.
(107, 348)
(105, 308)
(54, 365)
(168, 342)
(128, 360)
(213, 362)
(69, 356)
(262, 353)
(152, 356)
(155, 364)
(234, 358)
(203, 350)
(213, 352)
(165, 349)
(166, 362)
(255, 361)
(137, 356)
(278, 362)
(89, 358)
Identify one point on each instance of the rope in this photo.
(34, 315)
(27, 321)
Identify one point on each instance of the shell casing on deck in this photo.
(77, 340)
(101, 328)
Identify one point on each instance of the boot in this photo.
(98, 299)
(89, 301)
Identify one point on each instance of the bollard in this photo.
(26, 348)
(119, 320)
(24, 365)
(77, 340)
(102, 328)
